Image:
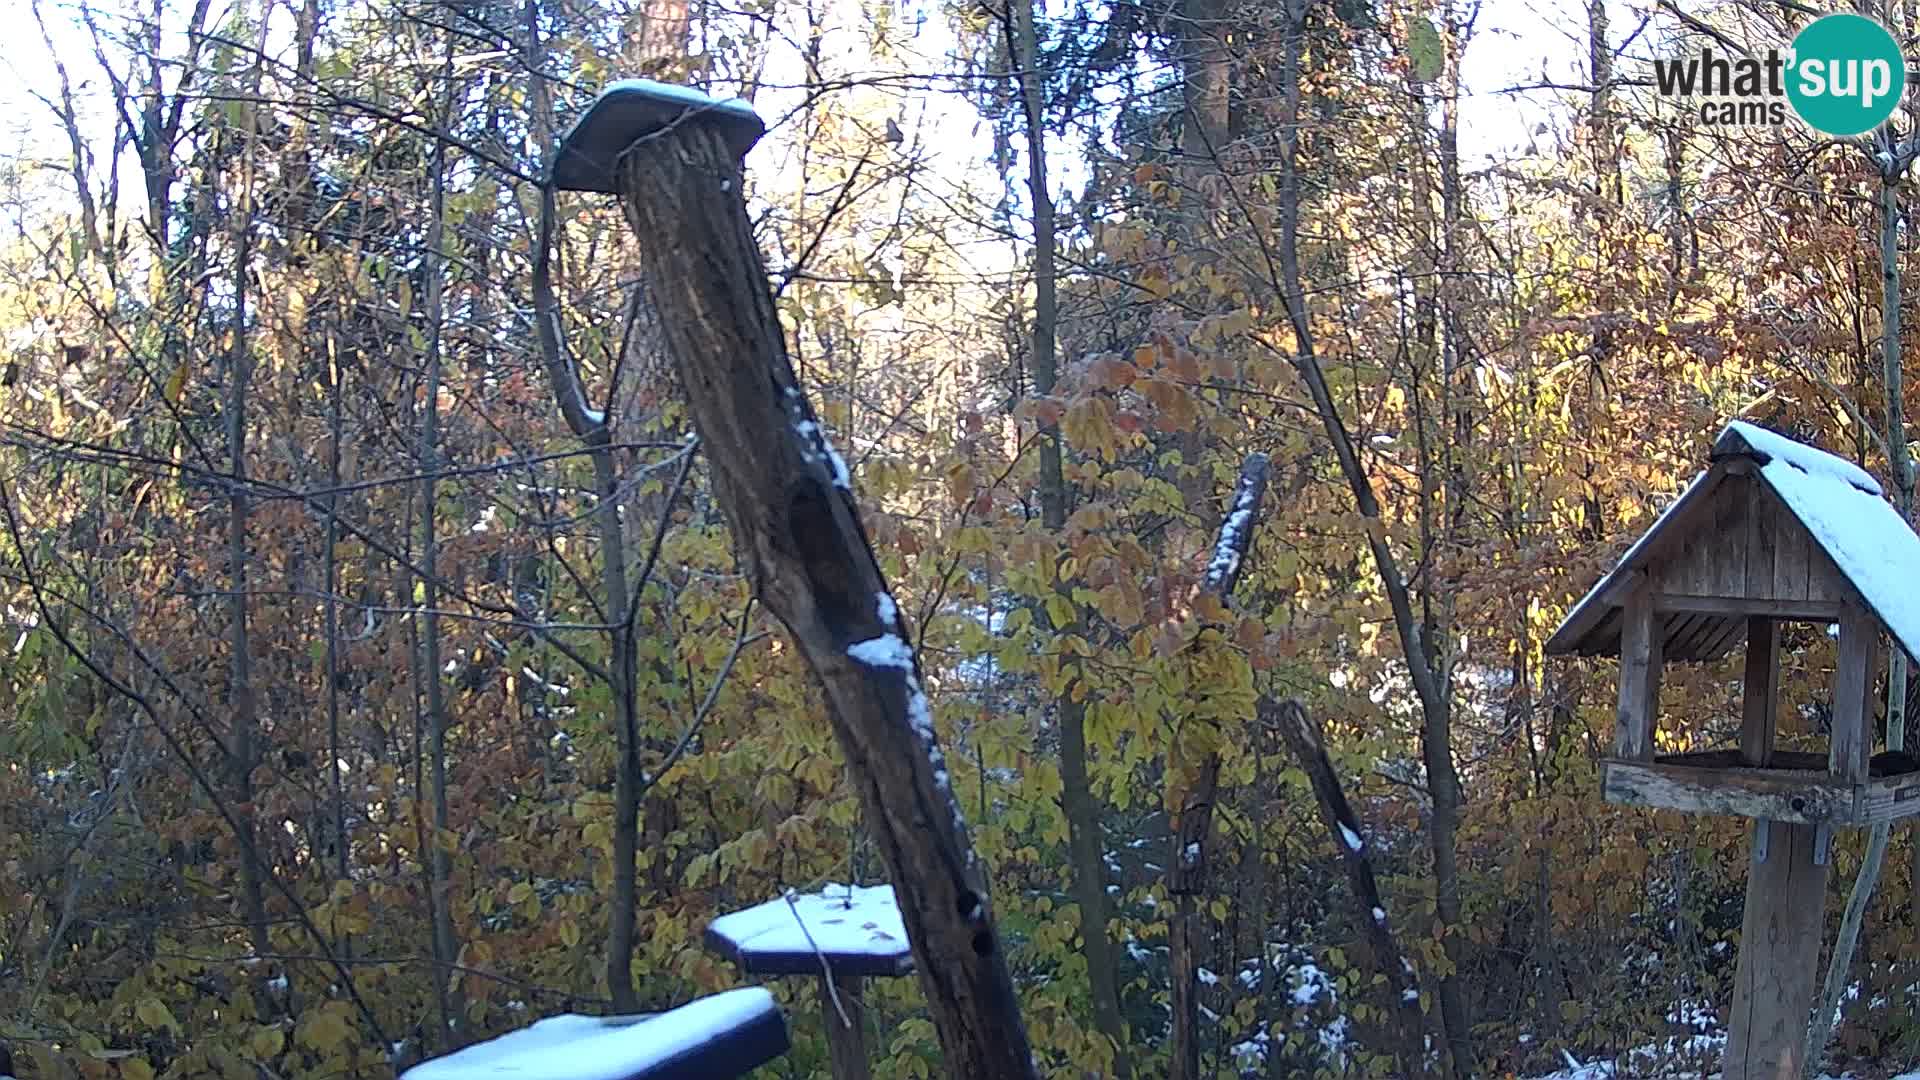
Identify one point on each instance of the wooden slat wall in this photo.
(1744, 542)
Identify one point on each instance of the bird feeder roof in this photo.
(627, 111)
(723, 1035)
(852, 929)
(1847, 524)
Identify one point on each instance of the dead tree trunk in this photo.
(797, 532)
(1194, 783)
(1303, 738)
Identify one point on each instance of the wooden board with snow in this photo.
(725, 1035)
(627, 111)
(852, 929)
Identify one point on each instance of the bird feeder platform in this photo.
(723, 1035)
(628, 112)
(841, 935)
(1774, 531)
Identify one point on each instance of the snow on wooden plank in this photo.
(855, 929)
(724, 1035)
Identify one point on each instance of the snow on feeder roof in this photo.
(855, 929)
(1838, 535)
(724, 1035)
(628, 111)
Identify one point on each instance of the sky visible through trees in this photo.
(380, 670)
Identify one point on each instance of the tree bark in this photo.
(590, 427)
(446, 948)
(797, 531)
(1086, 842)
(1820, 1028)
(1304, 739)
(1193, 784)
(1443, 781)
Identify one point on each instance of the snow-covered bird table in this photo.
(724, 1035)
(842, 934)
(1773, 532)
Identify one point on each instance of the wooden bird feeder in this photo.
(1774, 531)
(841, 934)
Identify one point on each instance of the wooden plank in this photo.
(1760, 690)
(1640, 658)
(1851, 742)
(1811, 610)
(1789, 553)
(1755, 793)
(1674, 630)
(1824, 580)
(1727, 632)
(1889, 799)
(1760, 538)
(1729, 540)
(1779, 956)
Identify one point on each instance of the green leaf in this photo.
(1427, 57)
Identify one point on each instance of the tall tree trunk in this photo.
(446, 948)
(788, 498)
(1085, 839)
(590, 426)
(242, 752)
(1193, 783)
(1443, 781)
(1901, 466)
(1302, 735)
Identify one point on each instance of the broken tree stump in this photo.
(788, 498)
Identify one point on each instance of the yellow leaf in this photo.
(135, 1068)
(1059, 612)
(519, 892)
(177, 383)
(569, 933)
(266, 1042)
(155, 1014)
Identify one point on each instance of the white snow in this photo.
(885, 651)
(1192, 853)
(573, 1047)
(1818, 463)
(1863, 533)
(1380, 916)
(1352, 839)
(888, 651)
(821, 448)
(861, 920)
(885, 608)
(1226, 553)
(594, 416)
(1207, 978)
(692, 98)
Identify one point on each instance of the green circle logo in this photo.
(1845, 75)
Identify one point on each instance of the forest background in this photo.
(353, 706)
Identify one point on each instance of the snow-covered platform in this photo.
(627, 111)
(850, 929)
(725, 1035)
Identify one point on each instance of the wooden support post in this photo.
(1852, 744)
(1761, 689)
(1779, 956)
(797, 533)
(846, 1039)
(1640, 659)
